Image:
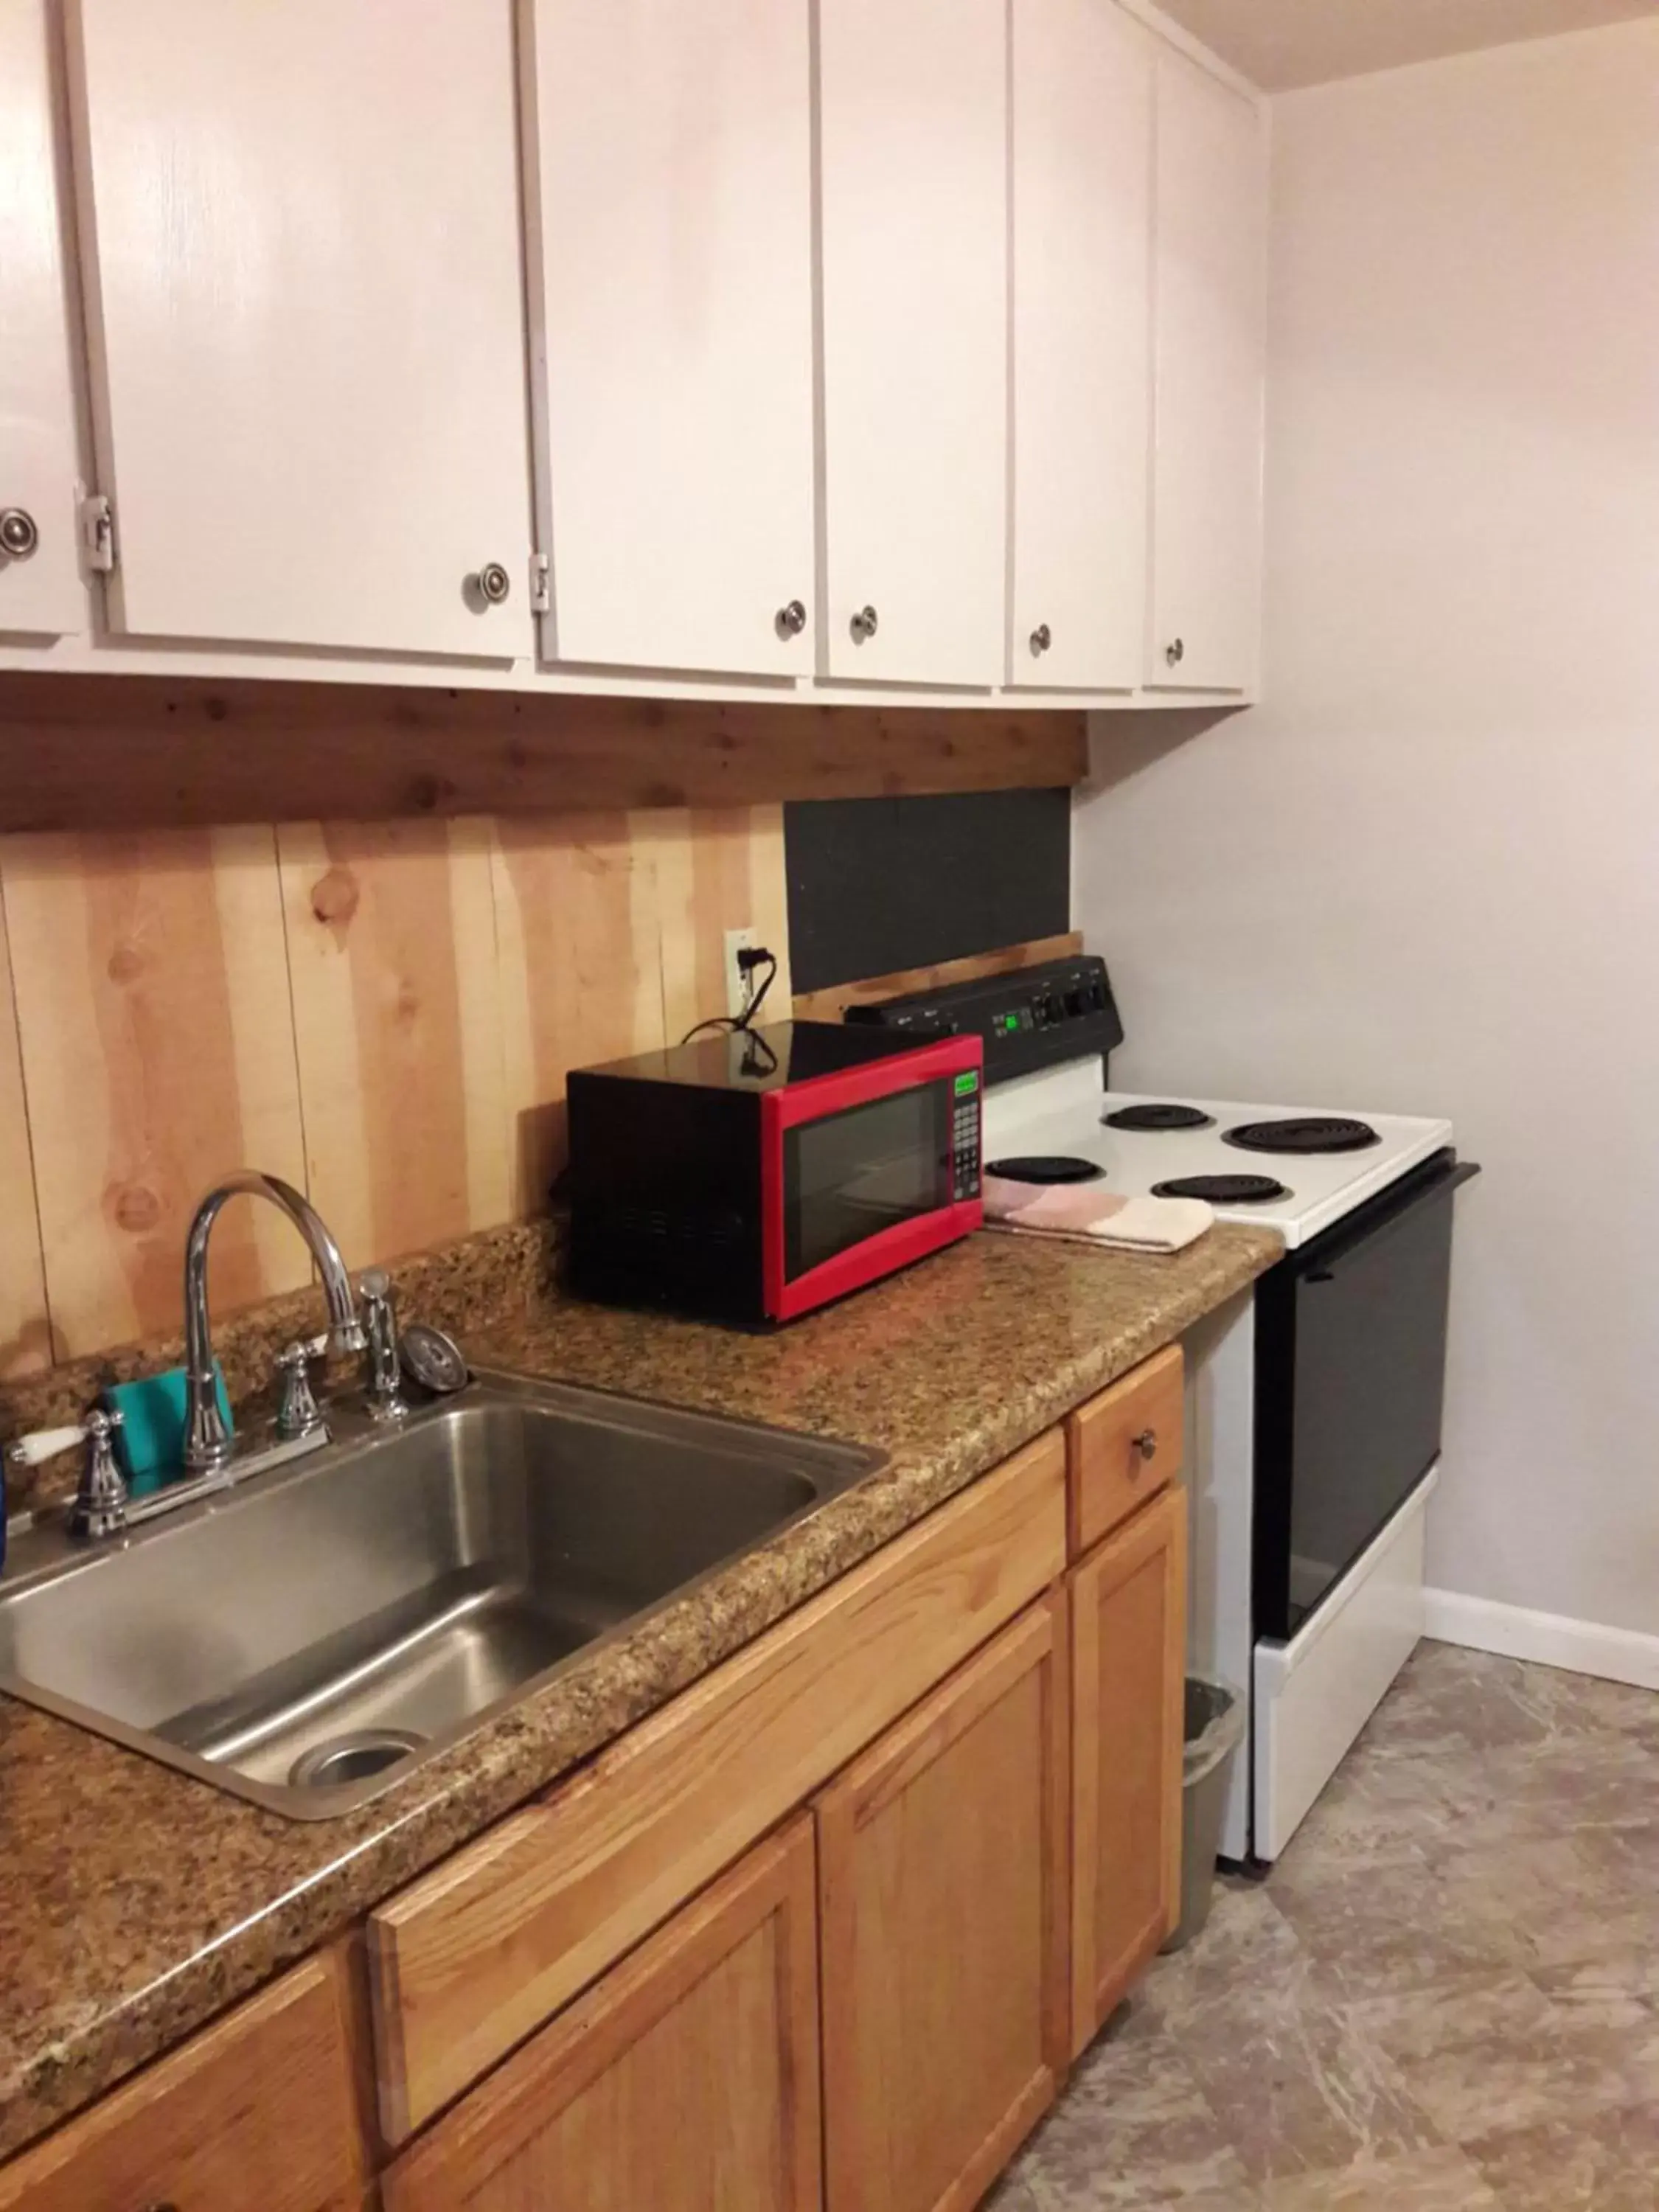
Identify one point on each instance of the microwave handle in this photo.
(1441, 1186)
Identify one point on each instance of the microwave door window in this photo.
(851, 1175)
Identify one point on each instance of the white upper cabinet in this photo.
(41, 592)
(669, 215)
(301, 254)
(1210, 287)
(914, 126)
(1081, 309)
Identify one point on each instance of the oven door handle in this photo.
(1438, 1187)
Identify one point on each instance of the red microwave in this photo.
(749, 1177)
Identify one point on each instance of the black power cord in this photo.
(750, 957)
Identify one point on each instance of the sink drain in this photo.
(352, 1758)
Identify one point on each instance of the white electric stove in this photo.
(1314, 1402)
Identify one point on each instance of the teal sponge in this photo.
(149, 1445)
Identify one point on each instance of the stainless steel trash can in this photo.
(1215, 1725)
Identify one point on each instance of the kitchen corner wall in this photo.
(1424, 875)
(384, 1014)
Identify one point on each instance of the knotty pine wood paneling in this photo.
(581, 980)
(728, 874)
(397, 1028)
(151, 982)
(25, 1337)
(81, 752)
(383, 1013)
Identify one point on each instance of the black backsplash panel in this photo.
(880, 885)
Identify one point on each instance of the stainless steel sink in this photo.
(307, 1639)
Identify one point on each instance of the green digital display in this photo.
(966, 1084)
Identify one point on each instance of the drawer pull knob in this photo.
(1146, 1443)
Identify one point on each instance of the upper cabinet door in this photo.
(670, 261)
(1211, 291)
(1082, 306)
(915, 338)
(40, 588)
(302, 249)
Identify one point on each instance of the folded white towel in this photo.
(1090, 1214)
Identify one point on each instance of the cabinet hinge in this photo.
(98, 533)
(541, 590)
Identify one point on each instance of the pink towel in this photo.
(1093, 1215)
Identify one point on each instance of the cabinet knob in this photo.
(1176, 651)
(492, 583)
(792, 619)
(1042, 638)
(19, 533)
(1146, 1443)
(864, 624)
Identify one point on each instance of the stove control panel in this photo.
(1029, 1018)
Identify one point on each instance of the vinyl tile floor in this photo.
(1444, 1998)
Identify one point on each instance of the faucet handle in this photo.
(297, 1412)
(100, 1504)
(42, 1445)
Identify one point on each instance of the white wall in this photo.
(1425, 875)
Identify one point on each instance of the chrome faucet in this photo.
(208, 1442)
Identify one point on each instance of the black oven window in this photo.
(852, 1174)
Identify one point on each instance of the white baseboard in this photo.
(1550, 1639)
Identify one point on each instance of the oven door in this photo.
(866, 1173)
(1351, 1370)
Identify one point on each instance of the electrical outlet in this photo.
(738, 986)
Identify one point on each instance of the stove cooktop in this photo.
(1129, 1137)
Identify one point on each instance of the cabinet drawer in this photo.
(477, 1955)
(1122, 1446)
(259, 2113)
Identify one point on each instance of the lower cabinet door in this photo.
(257, 2113)
(942, 1855)
(1128, 1693)
(685, 2080)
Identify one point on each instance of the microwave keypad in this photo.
(965, 1137)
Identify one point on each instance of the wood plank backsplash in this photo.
(382, 1013)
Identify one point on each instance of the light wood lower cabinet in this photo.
(942, 1856)
(258, 2113)
(1129, 1686)
(478, 1954)
(686, 2081)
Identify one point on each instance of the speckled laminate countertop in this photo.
(135, 1902)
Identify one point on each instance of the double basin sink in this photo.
(308, 1639)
